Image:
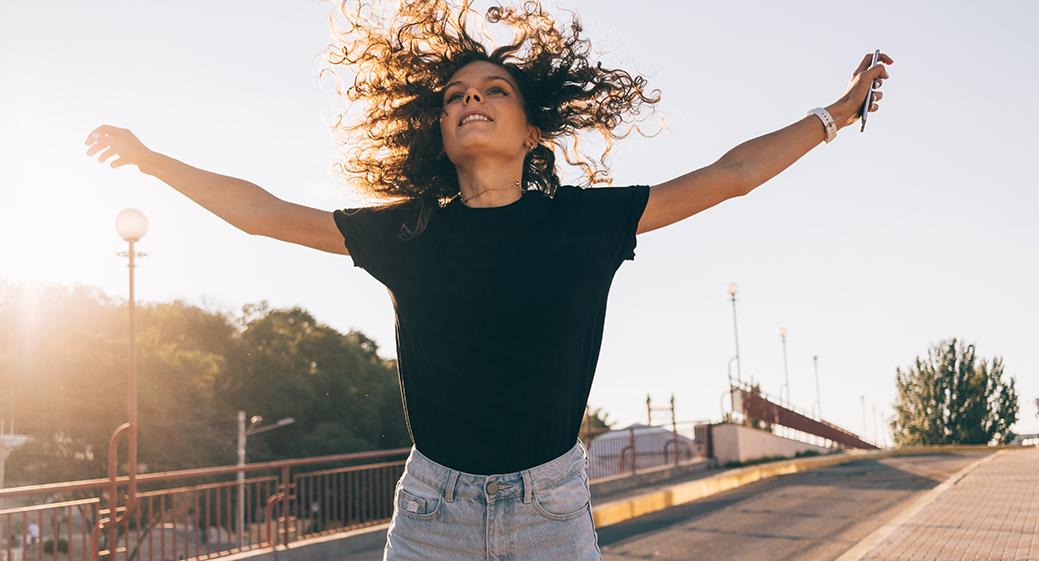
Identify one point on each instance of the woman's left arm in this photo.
(756, 161)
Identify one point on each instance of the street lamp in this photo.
(786, 373)
(242, 433)
(818, 398)
(131, 226)
(863, 417)
(732, 288)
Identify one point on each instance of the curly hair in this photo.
(403, 53)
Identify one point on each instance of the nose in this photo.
(473, 95)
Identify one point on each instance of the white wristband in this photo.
(828, 122)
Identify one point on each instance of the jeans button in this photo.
(492, 488)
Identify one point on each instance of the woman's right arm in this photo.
(242, 204)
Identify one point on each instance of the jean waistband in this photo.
(455, 483)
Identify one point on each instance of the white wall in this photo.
(740, 444)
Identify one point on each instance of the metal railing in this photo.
(207, 513)
(639, 448)
(194, 514)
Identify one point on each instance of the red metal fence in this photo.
(638, 448)
(206, 513)
(201, 513)
(757, 406)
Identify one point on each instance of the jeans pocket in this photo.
(565, 501)
(416, 499)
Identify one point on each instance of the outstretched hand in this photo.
(118, 143)
(849, 107)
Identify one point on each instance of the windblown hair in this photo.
(402, 55)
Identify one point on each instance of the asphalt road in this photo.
(810, 516)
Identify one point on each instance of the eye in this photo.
(451, 97)
(497, 90)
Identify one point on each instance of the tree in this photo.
(953, 397)
(63, 375)
(595, 423)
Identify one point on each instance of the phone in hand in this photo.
(869, 96)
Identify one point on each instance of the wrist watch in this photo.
(828, 122)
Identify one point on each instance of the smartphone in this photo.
(869, 96)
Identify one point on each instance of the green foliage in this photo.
(953, 397)
(595, 423)
(745, 420)
(63, 546)
(63, 374)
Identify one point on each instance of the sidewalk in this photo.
(991, 512)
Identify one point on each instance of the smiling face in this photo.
(483, 116)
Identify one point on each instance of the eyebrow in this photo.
(485, 79)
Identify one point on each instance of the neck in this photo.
(490, 188)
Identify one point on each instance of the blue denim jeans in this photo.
(540, 514)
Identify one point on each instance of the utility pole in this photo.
(3, 458)
(863, 417)
(818, 397)
(786, 372)
(876, 433)
(242, 433)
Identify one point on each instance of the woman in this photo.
(498, 274)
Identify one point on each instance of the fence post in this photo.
(285, 503)
(674, 429)
(631, 440)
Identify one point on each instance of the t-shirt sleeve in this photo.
(611, 214)
(372, 235)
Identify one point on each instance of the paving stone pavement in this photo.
(992, 513)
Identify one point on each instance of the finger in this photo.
(866, 61)
(119, 162)
(877, 96)
(106, 155)
(886, 59)
(878, 71)
(97, 147)
(102, 131)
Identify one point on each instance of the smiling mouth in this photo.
(475, 117)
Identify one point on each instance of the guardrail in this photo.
(638, 448)
(207, 513)
(200, 513)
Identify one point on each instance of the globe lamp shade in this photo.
(131, 224)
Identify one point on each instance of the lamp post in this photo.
(131, 226)
(863, 417)
(732, 288)
(786, 373)
(818, 398)
(242, 433)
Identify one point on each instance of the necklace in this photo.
(467, 199)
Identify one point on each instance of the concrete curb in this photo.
(625, 509)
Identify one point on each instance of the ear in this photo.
(533, 136)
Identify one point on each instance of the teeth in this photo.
(474, 118)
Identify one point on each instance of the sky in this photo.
(868, 250)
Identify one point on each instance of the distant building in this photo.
(604, 451)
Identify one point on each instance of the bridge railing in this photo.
(200, 513)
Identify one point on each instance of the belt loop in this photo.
(528, 486)
(449, 492)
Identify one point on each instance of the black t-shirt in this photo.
(500, 315)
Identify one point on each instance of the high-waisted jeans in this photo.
(539, 514)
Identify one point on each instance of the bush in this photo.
(63, 546)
